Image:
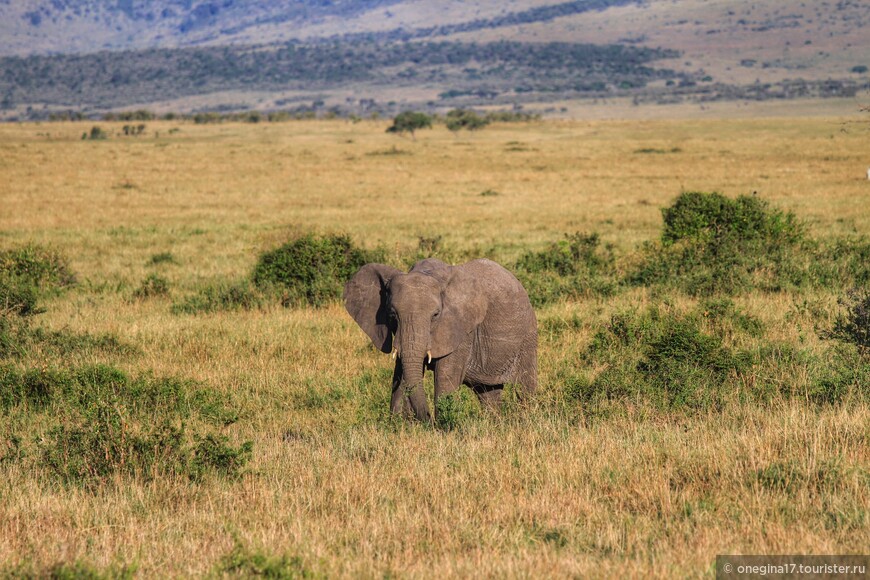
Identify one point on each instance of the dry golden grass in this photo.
(520, 495)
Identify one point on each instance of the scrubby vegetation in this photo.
(309, 270)
(707, 359)
(668, 404)
(93, 425)
(710, 245)
(160, 74)
(571, 268)
(26, 273)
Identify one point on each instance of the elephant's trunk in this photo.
(413, 351)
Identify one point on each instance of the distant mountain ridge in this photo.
(83, 26)
(381, 56)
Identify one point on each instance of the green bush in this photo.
(18, 297)
(665, 360)
(409, 122)
(152, 286)
(573, 267)
(853, 325)
(214, 454)
(42, 267)
(712, 244)
(712, 216)
(100, 424)
(458, 119)
(689, 362)
(311, 269)
(26, 273)
(90, 451)
(96, 134)
(162, 258)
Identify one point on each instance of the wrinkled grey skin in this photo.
(475, 319)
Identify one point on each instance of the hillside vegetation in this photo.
(383, 57)
(182, 393)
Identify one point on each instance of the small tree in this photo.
(410, 121)
(458, 119)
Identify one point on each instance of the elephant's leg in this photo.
(399, 404)
(449, 372)
(489, 396)
(527, 371)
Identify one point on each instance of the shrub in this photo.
(101, 424)
(688, 362)
(162, 258)
(853, 325)
(17, 297)
(153, 285)
(664, 361)
(89, 452)
(42, 267)
(214, 454)
(409, 122)
(458, 119)
(311, 269)
(575, 266)
(96, 134)
(713, 244)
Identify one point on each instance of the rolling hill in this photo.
(385, 55)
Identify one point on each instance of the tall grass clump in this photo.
(311, 269)
(573, 267)
(714, 244)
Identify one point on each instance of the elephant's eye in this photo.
(437, 314)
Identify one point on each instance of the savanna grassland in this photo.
(704, 381)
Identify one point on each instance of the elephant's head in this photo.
(419, 316)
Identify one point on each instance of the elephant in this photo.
(471, 324)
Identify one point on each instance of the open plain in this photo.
(568, 484)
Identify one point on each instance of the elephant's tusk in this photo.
(394, 354)
(429, 354)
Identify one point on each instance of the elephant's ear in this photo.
(463, 308)
(365, 297)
